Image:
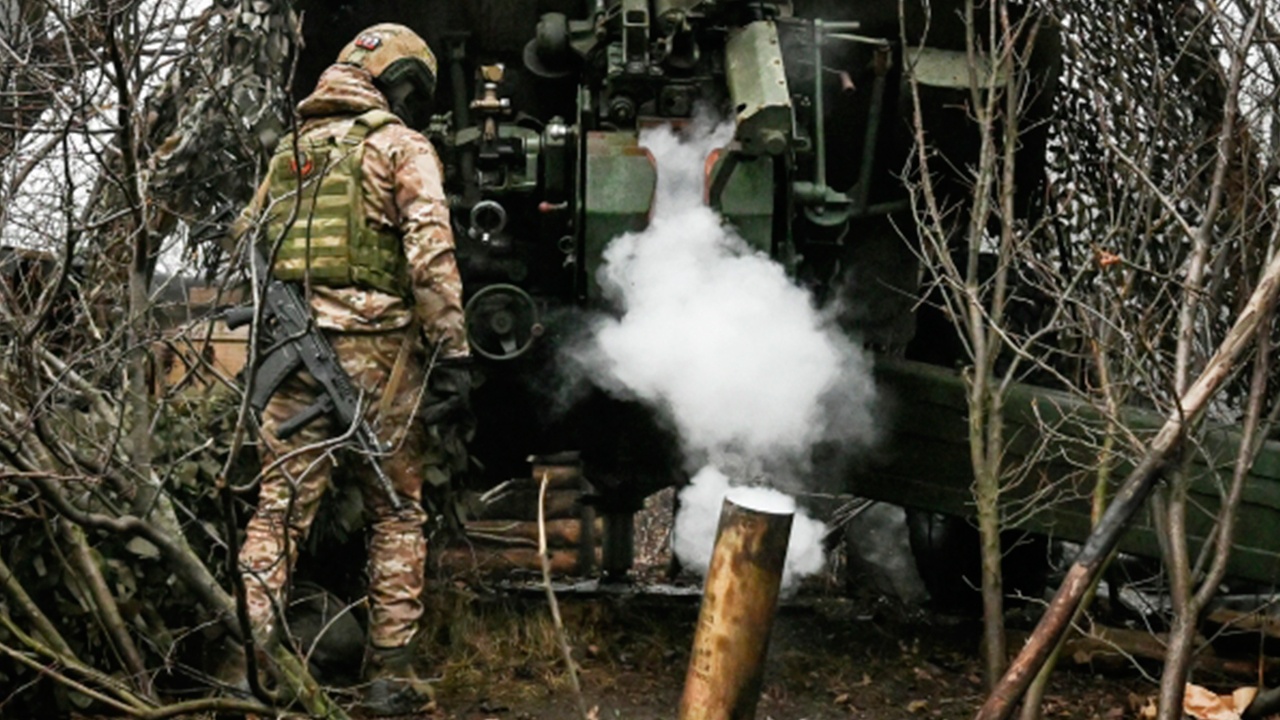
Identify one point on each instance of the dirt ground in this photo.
(828, 658)
(844, 646)
(838, 649)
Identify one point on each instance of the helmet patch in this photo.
(368, 42)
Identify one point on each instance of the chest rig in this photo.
(316, 204)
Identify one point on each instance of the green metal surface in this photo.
(620, 182)
(924, 462)
(936, 67)
(745, 197)
(757, 83)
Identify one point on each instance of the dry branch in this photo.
(20, 598)
(110, 683)
(106, 607)
(1130, 498)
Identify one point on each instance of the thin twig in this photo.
(70, 662)
(551, 598)
(39, 621)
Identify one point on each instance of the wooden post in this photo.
(738, 605)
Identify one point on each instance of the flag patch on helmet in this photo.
(368, 42)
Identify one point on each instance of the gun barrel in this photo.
(237, 316)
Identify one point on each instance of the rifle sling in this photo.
(398, 369)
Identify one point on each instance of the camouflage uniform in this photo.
(402, 192)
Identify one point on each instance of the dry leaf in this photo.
(1107, 259)
(1144, 707)
(916, 706)
(1204, 704)
(1243, 696)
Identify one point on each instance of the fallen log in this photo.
(518, 533)
(559, 475)
(485, 561)
(1239, 620)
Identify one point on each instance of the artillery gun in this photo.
(539, 110)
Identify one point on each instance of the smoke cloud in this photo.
(700, 504)
(716, 336)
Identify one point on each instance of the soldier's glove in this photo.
(448, 394)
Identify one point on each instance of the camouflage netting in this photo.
(214, 120)
(1142, 103)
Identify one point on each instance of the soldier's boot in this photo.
(394, 685)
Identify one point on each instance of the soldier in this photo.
(357, 208)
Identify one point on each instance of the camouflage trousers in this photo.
(299, 470)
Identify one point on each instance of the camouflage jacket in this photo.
(403, 193)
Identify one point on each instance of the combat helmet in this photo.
(396, 56)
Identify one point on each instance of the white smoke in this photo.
(700, 505)
(717, 337)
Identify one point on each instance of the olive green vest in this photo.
(316, 205)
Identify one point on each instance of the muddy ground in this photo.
(829, 658)
(861, 641)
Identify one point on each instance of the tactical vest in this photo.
(316, 203)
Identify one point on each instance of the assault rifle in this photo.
(291, 342)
